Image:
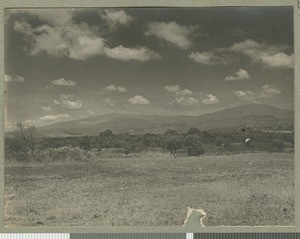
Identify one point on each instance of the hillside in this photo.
(264, 117)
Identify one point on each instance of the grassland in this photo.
(152, 190)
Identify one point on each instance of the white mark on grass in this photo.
(191, 210)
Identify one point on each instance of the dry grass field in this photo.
(152, 190)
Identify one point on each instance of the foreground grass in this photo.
(245, 189)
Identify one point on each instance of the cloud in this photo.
(115, 18)
(77, 41)
(139, 100)
(247, 95)
(50, 16)
(63, 82)
(74, 41)
(68, 102)
(108, 102)
(185, 92)
(17, 78)
(115, 88)
(262, 95)
(111, 88)
(209, 58)
(210, 100)
(127, 54)
(47, 108)
(239, 75)
(54, 117)
(87, 47)
(90, 112)
(172, 88)
(121, 89)
(183, 100)
(177, 90)
(269, 91)
(175, 34)
(278, 60)
(271, 56)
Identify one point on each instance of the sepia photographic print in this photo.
(149, 116)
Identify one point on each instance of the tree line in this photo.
(193, 142)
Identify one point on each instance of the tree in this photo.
(27, 134)
(129, 148)
(219, 142)
(193, 131)
(84, 143)
(106, 133)
(194, 146)
(172, 144)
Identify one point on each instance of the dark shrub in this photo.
(84, 143)
(193, 131)
(194, 146)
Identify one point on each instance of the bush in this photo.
(172, 144)
(219, 142)
(194, 146)
(196, 150)
(65, 153)
(193, 131)
(84, 143)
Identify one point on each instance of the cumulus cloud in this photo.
(210, 100)
(115, 88)
(210, 57)
(183, 100)
(90, 112)
(181, 96)
(127, 54)
(115, 18)
(172, 88)
(185, 92)
(110, 88)
(247, 95)
(68, 102)
(262, 95)
(139, 100)
(177, 90)
(47, 108)
(108, 102)
(269, 91)
(49, 16)
(175, 34)
(121, 89)
(239, 75)
(63, 82)
(17, 78)
(278, 60)
(54, 117)
(272, 56)
(77, 41)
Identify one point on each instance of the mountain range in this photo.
(263, 116)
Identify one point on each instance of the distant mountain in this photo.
(259, 116)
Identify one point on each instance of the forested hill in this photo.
(264, 117)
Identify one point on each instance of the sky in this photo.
(65, 64)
